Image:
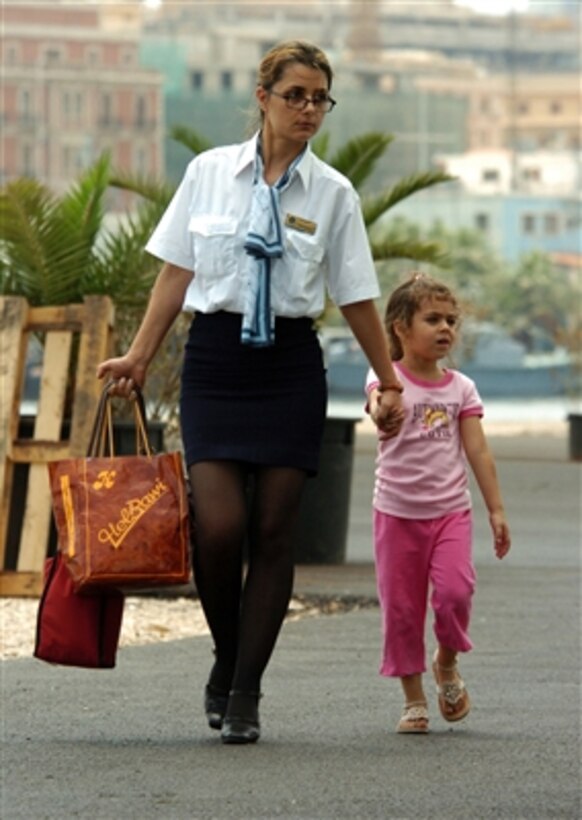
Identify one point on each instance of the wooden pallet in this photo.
(75, 339)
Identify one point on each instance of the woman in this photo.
(251, 240)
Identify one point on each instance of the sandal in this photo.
(414, 720)
(454, 701)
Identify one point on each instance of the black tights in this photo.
(244, 617)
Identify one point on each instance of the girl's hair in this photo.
(275, 61)
(407, 299)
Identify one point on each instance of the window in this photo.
(528, 223)
(490, 175)
(482, 222)
(11, 55)
(522, 108)
(72, 107)
(128, 58)
(197, 80)
(531, 174)
(25, 106)
(52, 57)
(226, 80)
(106, 109)
(555, 107)
(93, 56)
(369, 82)
(27, 160)
(140, 111)
(140, 161)
(551, 224)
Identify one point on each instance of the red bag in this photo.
(122, 521)
(73, 629)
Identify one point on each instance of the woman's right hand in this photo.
(124, 372)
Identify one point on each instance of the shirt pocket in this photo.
(304, 255)
(213, 244)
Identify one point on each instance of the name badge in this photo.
(300, 224)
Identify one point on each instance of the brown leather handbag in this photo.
(122, 521)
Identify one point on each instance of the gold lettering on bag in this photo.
(105, 480)
(116, 531)
(69, 513)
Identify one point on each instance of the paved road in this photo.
(132, 743)
(542, 492)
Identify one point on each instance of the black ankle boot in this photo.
(215, 703)
(241, 721)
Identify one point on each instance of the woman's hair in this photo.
(407, 299)
(276, 60)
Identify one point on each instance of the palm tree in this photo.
(57, 249)
(357, 160)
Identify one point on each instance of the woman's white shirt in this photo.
(205, 226)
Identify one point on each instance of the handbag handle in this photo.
(101, 439)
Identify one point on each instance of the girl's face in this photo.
(433, 331)
(280, 120)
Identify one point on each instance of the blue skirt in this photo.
(259, 406)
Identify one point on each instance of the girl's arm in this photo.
(367, 327)
(164, 305)
(483, 465)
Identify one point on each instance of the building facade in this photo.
(72, 88)
(514, 224)
(525, 112)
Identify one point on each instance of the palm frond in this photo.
(122, 268)
(83, 205)
(418, 250)
(190, 138)
(25, 204)
(375, 205)
(40, 255)
(148, 187)
(81, 211)
(358, 157)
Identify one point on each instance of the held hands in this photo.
(125, 372)
(386, 412)
(502, 538)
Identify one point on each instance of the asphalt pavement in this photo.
(133, 743)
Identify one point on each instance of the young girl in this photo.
(422, 507)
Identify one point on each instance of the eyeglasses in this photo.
(298, 101)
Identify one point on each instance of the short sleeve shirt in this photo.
(325, 241)
(422, 472)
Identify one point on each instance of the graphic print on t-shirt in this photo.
(435, 419)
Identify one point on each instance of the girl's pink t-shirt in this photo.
(422, 472)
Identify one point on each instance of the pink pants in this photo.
(410, 555)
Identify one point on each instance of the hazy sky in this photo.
(495, 6)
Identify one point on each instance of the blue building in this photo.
(514, 223)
